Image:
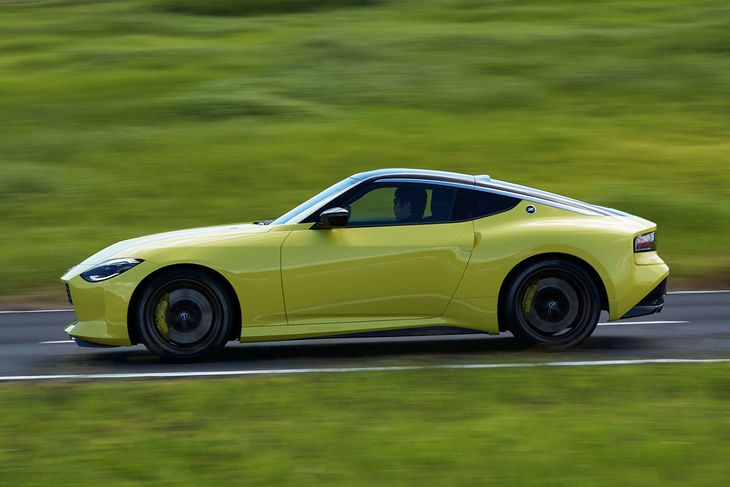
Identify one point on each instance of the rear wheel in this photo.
(185, 315)
(553, 303)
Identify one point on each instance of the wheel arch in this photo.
(133, 326)
(542, 257)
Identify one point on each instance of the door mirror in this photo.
(333, 218)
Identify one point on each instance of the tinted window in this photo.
(403, 203)
(390, 204)
(372, 207)
(484, 204)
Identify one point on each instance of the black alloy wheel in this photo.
(185, 315)
(553, 303)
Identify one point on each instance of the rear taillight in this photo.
(646, 242)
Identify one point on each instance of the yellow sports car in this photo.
(382, 250)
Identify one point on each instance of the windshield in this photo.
(314, 201)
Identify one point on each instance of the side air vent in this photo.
(68, 295)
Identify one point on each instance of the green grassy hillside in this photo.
(641, 426)
(120, 118)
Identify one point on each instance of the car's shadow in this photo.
(356, 352)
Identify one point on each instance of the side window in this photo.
(373, 207)
(483, 204)
(408, 203)
(388, 204)
(403, 204)
(441, 203)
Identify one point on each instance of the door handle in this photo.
(477, 240)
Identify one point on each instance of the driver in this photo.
(409, 204)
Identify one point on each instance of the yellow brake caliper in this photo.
(161, 316)
(527, 300)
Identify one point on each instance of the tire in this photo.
(184, 315)
(553, 303)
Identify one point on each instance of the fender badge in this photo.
(530, 209)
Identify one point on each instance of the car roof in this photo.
(419, 174)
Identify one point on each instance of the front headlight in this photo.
(108, 269)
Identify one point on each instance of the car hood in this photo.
(132, 247)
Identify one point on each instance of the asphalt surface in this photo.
(691, 326)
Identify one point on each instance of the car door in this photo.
(378, 267)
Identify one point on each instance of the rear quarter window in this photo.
(482, 203)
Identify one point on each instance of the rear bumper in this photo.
(652, 302)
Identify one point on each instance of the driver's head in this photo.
(409, 203)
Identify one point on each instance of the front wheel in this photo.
(184, 315)
(553, 303)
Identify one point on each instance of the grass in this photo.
(121, 118)
(633, 426)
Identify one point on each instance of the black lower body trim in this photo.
(652, 302)
(402, 332)
(84, 343)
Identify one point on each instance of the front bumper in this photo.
(652, 302)
(84, 344)
(101, 307)
(96, 333)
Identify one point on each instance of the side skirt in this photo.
(431, 326)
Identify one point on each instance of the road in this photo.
(691, 326)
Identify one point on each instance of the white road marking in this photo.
(700, 292)
(224, 373)
(37, 311)
(623, 323)
(56, 341)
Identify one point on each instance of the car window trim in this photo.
(569, 205)
(519, 195)
(425, 181)
(468, 187)
(356, 188)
